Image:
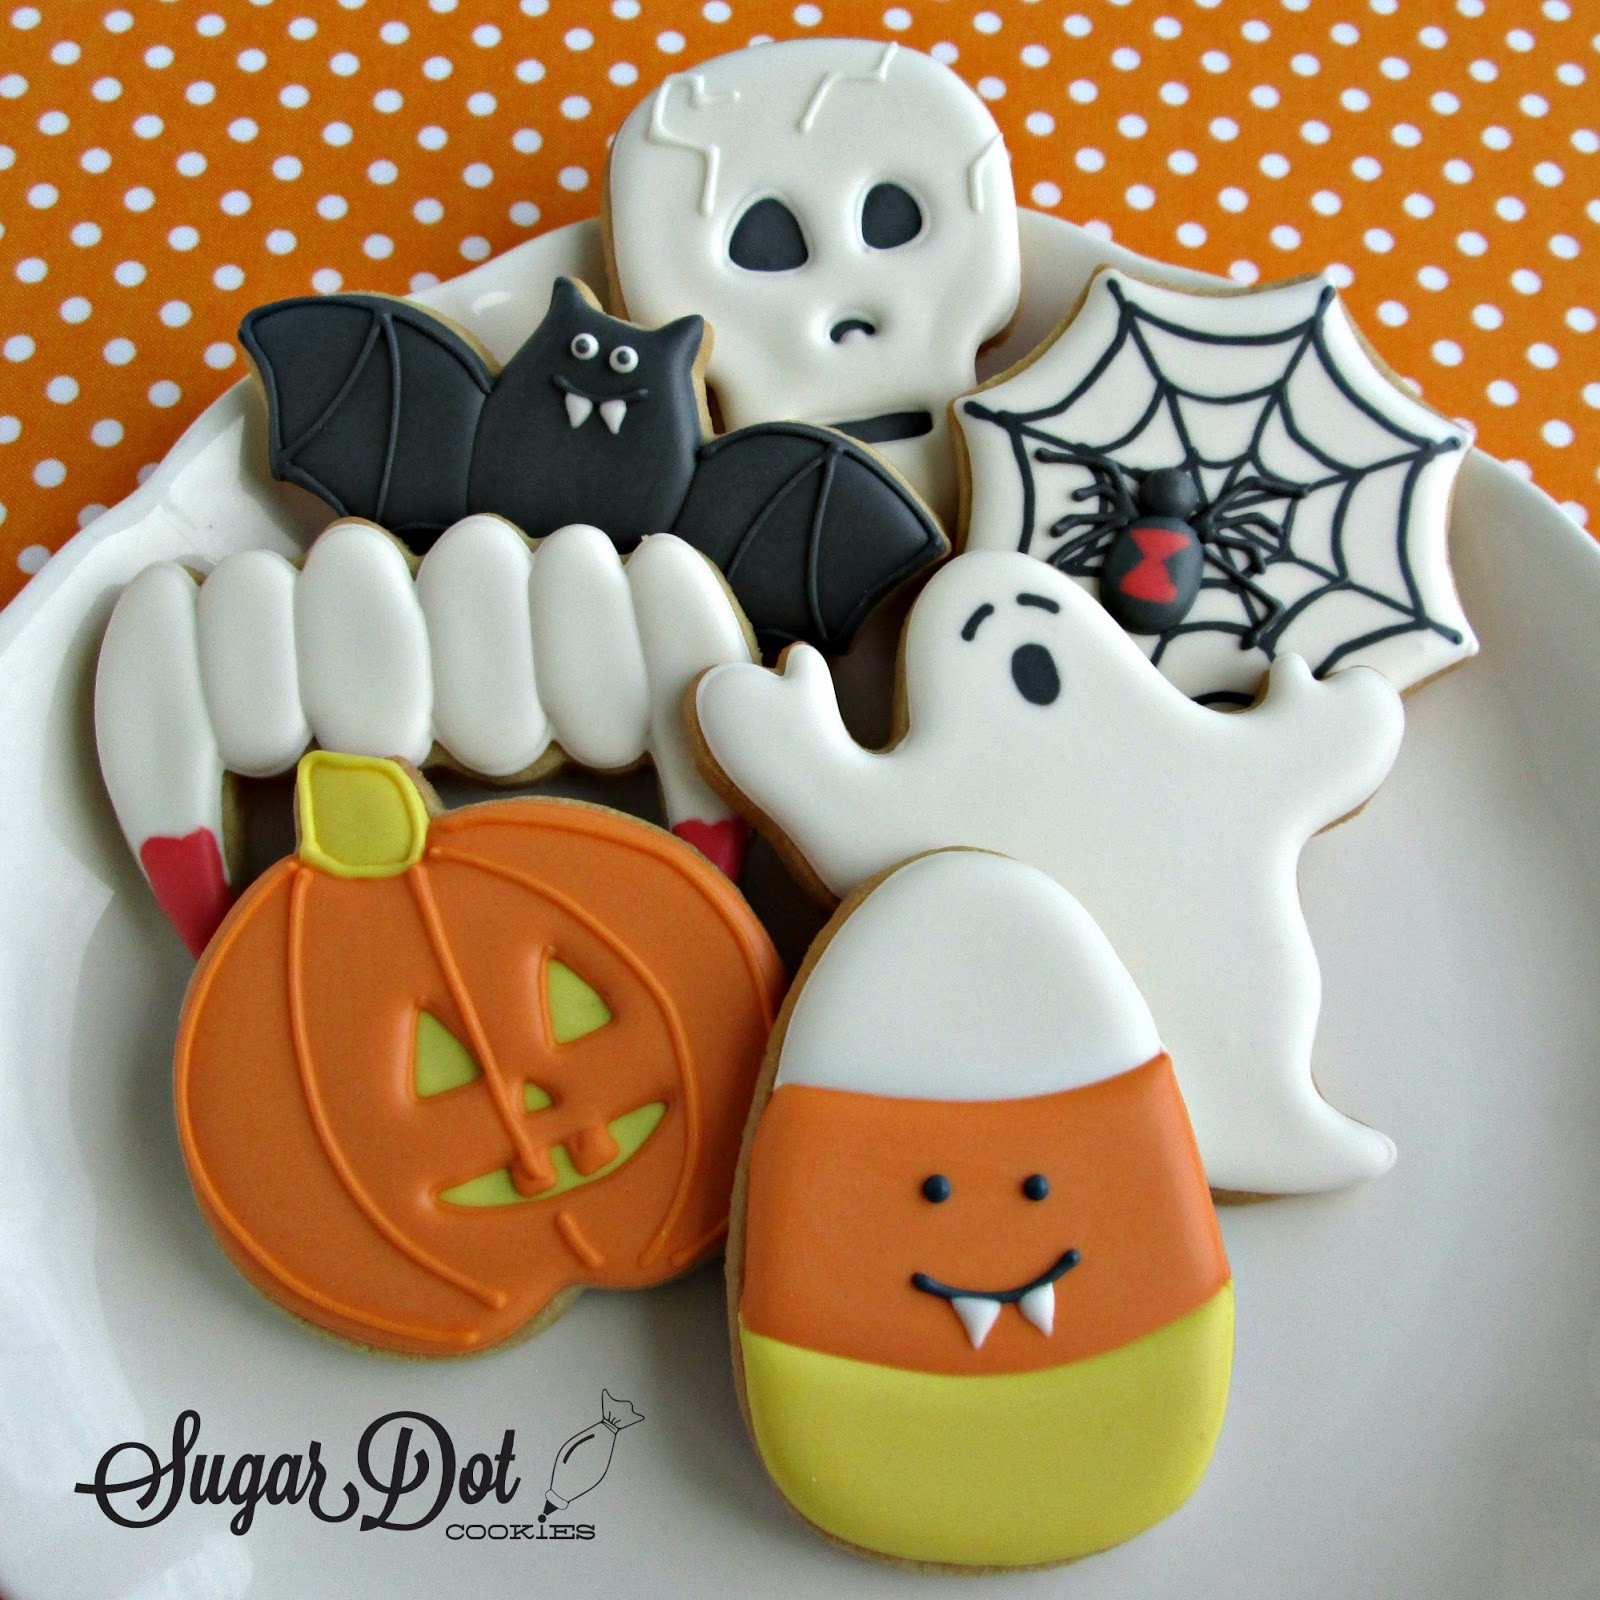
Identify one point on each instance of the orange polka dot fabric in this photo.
(164, 167)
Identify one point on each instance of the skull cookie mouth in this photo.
(979, 1308)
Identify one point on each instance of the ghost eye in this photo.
(936, 1187)
(584, 346)
(889, 217)
(1033, 670)
(1036, 1186)
(624, 358)
(768, 239)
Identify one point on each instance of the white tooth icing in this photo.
(1037, 729)
(612, 412)
(490, 656)
(977, 1316)
(1039, 1307)
(578, 409)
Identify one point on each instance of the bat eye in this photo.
(1035, 1186)
(1033, 670)
(624, 358)
(584, 346)
(889, 217)
(936, 1187)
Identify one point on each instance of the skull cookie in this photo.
(841, 210)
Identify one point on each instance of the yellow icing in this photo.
(442, 1062)
(630, 1130)
(1020, 1469)
(575, 1009)
(359, 816)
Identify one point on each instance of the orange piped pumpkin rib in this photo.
(572, 1235)
(494, 1299)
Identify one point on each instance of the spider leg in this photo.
(1270, 605)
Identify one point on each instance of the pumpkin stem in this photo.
(359, 816)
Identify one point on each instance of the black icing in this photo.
(888, 428)
(767, 238)
(936, 1187)
(848, 325)
(890, 217)
(1033, 670)
(1036, 1186)
(386, 412)
(1064, 1264)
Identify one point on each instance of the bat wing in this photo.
(372, 405)
(810, 529)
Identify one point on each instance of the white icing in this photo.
(977, 1315)
(1396, 507)
(246, 653)
(362, 646)
(586, 650)
(1039, 1307)
(965, 976)
(1179, 828)
(473, 589)
(816, 123)
(157, 750)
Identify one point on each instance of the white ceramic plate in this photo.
(1416, 1404)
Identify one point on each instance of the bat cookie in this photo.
(1235, 475)
(1034, 726)
(982, 1315)
(494, 656)
(438, 1073)
(389, 412)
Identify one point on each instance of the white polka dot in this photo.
(1446, 352)
(526, 140)
(49, 473)
(1591, 396)
(944, 52)
(1525, 281)
(95, 160)
(344, 64)
(1215, 61)
(1378, 240)
(1548, 174)
(1533, 105)
(388, 101)
(1274, 165)
(31, 269)
(1305, 64)
(578, 39)
(1082, 91)
(252, 60)
(183, 237)
(190, 164)
(622, 73)
(1040, 123)
(1407, 135)
(475, 247)
(1166, 27)
(54, 122)
(164, 393)
(200, 93)
(1244, 272)
(438, 68)
(1183, 162)
(281, 241)
(1046, 194)
(1367, 168)
(379, 246)
(1392, 314)
(1563, 246)
(294, 96)
(1125, 59)
(287, 168)
(427, 211)
(1088, 159)
(235, 202)
(1457, 171)
(175, 313)
(1233, 199)
(158, 57)
(1224, 129)
(1314, 132)
(1078, 25)
(478, 176)
(1445, 103)
(524, 213)
(1509, 208)
(482, 103)
(383, 172)
(1543, 355)
(106, 433)
(1343, 33)
(219, 356)
(1520, 40)
(139, 198)
(432, 137)
(1285, 237)
(1140, 196)
(148, 126)
(1264, 96)
(13, 86)
(716, 11)
(1355, 99)
(326, 280)
(302, 28)
(575, 107)
(808, 16)
(1191, 235)
(129, 273)
(1471, 243)
(1582, 320)
(626, 9)
(25, 17)
(62, 390)
(330, 207)
(210, 25)
(1433, 278)
(1326, 203)
(31, 557)
(992, 88)
(1033, 55)
(119, 352)
(1417, 205)
(1395, 68)
(394, 33)
(66, 53)
(573, 179)
(1174, 93)
(1571, 74)
(43, 195)
(244, 129)
(1131, 125)
(486, 36)
(76, 309)
(1557, 433)
(1487, 317)
(1484, 71)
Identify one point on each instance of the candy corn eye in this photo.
(1036, 1186)
(936, 1188)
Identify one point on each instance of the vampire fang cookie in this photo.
(982, 1313)
(842, 211)
(1235, 475)
(491, 655)
(390, 413)
(438, 1073)
(1034, 726)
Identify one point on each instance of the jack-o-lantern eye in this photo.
(768, 239)
(441, 1061)
(574, 1008)
(890, 217)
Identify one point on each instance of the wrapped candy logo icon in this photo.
(585, 1458)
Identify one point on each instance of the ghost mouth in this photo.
(842, 329)
(613, 408)
(979, 1308)
(889, 427)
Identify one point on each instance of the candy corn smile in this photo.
(978, 1308)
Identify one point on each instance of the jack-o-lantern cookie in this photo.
(437, 1073)
(982, 1315)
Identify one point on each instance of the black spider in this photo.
(1152, 536)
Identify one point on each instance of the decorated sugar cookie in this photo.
(391, 413)
(842, 211)
(436, 1074)
(1034, 726)
(983, 1316)
(493, 656)
(1235, 476)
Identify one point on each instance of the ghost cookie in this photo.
(391, 413)
(842, 211)
(490, 655)
(981, 1311)
(1035, 727)
(438, 1073)
(1235, 475)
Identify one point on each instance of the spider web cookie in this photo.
(1235, 476)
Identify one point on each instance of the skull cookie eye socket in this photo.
(889, 217)
(768, 239)
(1033, 670)
(624, 358)
(584, 346)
